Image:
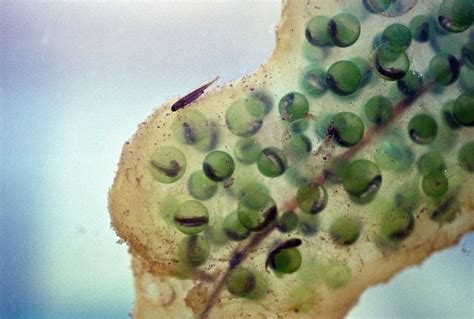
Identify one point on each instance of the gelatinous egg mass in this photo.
(345, 158)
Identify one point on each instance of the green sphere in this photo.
(253, 193)
(396, 225)
(434, 184)
(218, 166)
(411, 84)
(456, 15)
(287, 260)
(308, 224)
(287, 222)
(241, 282)
(313, 82)
(391, 65)
(466, 79)
(343, 78)
(336, 275)
(397, 37)
(246, 150)
(190, 127)
(244, 117)
(422, 28)
(345, 230)
(431, 162)
(363, 179)
(312, 198)
(347, 129)
(293, 106)
(322, 125)
(444, 69)
(194, 250)
(448, 115)
(344, 29)
(298, 126)
(191, 217)
(408, 198)
(257, 213)
(422, 129)
(233, 228)
(392, 155)
(463, 109)
(378, 110)
(317, 31)
(272, 162)
(297, 146)
(167, 164)
(200, 186)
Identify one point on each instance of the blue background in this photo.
(76, 79)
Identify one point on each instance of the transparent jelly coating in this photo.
(344, 159)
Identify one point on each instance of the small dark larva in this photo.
(191, 97)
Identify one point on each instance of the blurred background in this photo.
(75, 81)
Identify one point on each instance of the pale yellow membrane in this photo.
(165, 290)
